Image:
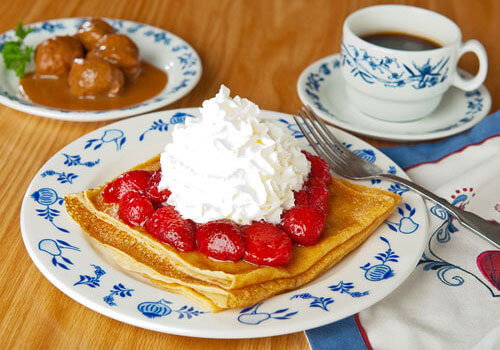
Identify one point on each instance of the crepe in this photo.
(355, 212)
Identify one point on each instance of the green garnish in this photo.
(15, 54)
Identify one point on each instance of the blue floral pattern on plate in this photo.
(162, 307)
(92, 281)
(55, 248)
(381, 271)
(253, 316)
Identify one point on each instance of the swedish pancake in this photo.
(355, 212)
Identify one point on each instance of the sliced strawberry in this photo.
(266, 244)
(135, 181)
(304, 224)
(135, 209)
(319, 167)
(318, 197)
(220, 240)
(300, 197)
(167, 225)
(152, 190)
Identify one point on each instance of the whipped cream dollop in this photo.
(230, 164)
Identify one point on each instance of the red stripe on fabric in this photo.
(449, 154)
(363, 332)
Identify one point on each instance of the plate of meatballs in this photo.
(94, 69)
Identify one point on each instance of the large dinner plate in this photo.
(68, 260)
(157, 46)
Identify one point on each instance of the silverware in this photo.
(345, 163)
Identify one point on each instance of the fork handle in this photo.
(470, 220)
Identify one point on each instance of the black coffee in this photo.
(401, 41)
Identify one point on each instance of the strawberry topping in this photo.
(220, 240)
(314, 182)
(134, 209)
(318, 197)
(152, 190)
(304, 224)
(319, 167)
(135, 181)
(300, 197)
(266, 244)
(167, 225)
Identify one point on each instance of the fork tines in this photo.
(322, 140)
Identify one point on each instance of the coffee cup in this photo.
(400, 85)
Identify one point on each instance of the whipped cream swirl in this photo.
(230, 164)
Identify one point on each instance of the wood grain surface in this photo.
(258, 49)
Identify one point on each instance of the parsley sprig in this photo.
(15, 54)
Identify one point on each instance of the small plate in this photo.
(321, 86)
(62, 252)
(157, 46)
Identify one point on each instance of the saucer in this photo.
(321, 86)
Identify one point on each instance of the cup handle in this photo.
(475, 82)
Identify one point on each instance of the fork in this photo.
(347, 164)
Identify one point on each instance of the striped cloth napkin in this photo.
(452, 298)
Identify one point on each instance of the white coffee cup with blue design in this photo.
(401, 85)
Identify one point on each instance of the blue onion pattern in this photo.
(115, 136)
(346, 288)
(55, 248)
(252, 316)
(62, 177)
(381, 271)
(91, 281)
(161, 126)
(406, 224)
(118, 290)
(77, 160)
(318, 302)
(48, 197)
(153, 309)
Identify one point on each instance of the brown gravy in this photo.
(55, 92)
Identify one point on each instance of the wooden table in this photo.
(258, 49)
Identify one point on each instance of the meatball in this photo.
(54, 56)
(95, 77)
(120, 50)
(92, 30)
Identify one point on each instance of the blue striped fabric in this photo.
(343, 334)
(407, 156)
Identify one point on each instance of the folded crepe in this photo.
(355, 212)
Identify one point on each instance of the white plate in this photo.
(61, 251)
(157, 46)
(321, 86)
